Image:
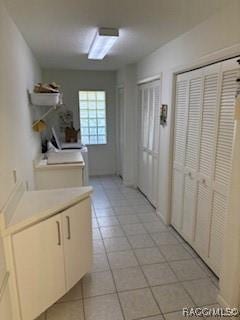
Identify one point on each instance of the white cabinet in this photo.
(63, 169)
(148, 145)
(50, 257)
(54, 177)
(39, 260)
(204, 129)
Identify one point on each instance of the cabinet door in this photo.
(77, 241)
(39, 265)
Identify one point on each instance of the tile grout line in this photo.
(113, 277)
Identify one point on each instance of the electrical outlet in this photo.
(15, 176)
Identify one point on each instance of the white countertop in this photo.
(35, 206)
(60, 159)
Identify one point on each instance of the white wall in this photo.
(19, 145)
(102, 158)
(218, 32)
(216, 38)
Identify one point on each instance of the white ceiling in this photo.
(60, 32)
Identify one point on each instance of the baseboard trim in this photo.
(158, 212)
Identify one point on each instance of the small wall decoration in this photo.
(163, 114)
(65, 119)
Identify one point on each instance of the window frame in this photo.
(106, 116)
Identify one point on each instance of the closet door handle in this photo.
(68, 227)
(59, 233)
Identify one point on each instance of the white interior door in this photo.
(149, 113)
(120, 122)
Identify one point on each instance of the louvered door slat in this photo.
(203, 220)
(217, 230)
(194, 115)
(177, 199)
(226, 128)
(182, 88)
(189, 208)
(180, 116)
(207, 145)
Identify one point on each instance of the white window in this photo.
(92, 110)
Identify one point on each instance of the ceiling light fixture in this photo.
(102, 43)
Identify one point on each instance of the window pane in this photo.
(93, 131)
(93, 139)
(92, 122)
(92, 105)
(84, 122)
(101, 105)
(85, 139)
(92, 110)
(83, 104)
(83, 113)
(101, 122)
(83, 95)
(91, 95)
(101, 114)
(101, 130)
(100, 95)
(84, 131)
(92, 114)
(102, 139)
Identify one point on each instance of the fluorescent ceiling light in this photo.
(102, 43)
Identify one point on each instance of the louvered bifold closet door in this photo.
(181, 113)
(199, 200)
(192, 154)
(223, 160)
(209, 126)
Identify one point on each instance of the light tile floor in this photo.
(142, 269)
